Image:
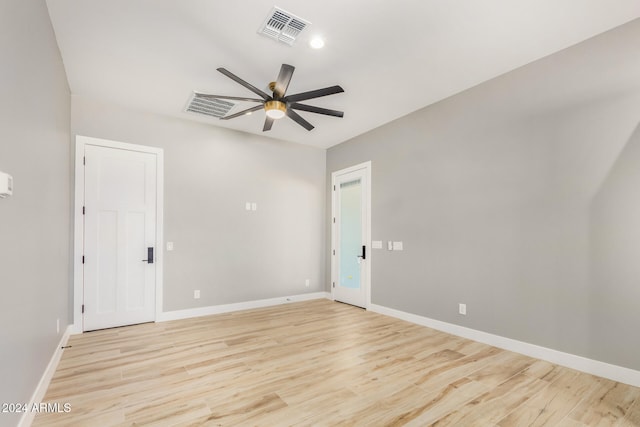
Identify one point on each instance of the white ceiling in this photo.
(391, 57)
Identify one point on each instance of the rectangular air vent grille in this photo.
(283, 26)
(209, 106)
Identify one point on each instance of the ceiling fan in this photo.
(279, 104)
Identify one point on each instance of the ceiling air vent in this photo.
(283, 26)
(209, 106)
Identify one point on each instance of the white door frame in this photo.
(366, 280)
(78, 239)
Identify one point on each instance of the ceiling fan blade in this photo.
(243, 112)
(284, 78)
(298, 119)
(234, 98)
(268, 122)
(317, 110)
(249, 86)
(313, 94)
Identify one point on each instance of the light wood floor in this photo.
(318, 363)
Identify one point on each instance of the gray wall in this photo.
(614, 294)
(229, 254)
(34, 223)
(518, 197)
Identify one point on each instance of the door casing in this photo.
(78, 240)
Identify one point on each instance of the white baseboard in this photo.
(590, 366)
(227, 308)
(28, 417)
(76, 329)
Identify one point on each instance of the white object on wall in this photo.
(6, 185)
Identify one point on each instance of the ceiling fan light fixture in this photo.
(275, 109)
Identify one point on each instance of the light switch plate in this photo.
(247, 206)
(6, 185)
(169, 246)
(390, 245)
(376, 244)
(397, 246)
(254, 206)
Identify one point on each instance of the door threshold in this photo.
(351, 305)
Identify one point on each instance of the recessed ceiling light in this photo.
(317, 43)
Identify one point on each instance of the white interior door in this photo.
(351, 229)
(119, 237)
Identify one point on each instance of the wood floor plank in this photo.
(608, 404)
(553, 404)
(503, 368)
(441, 402)
(492, 406)
(632, 418)
(318, 363)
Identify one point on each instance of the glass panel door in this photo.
(350, 260)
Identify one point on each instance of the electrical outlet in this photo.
(196, 294)
(462, 309)
(307, 282)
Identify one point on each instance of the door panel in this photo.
(107, 268)
(135, 279)
(120, 224)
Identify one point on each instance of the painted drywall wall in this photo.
(34, 222)
(519, 198)
(614, 225)
(228, 253)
